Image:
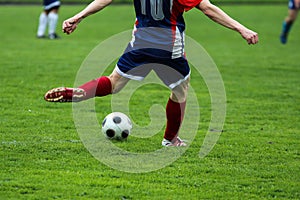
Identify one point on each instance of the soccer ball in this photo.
(116, 125)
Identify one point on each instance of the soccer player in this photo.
(157, 42)
(293, 6)
(49, 17)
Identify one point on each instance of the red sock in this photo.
(175, 113)
(98, 87)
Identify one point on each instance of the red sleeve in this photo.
(189, 4)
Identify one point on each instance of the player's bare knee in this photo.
(180, 92)
(178, 97)
(116, 89)
(114, 84)
(117, 82)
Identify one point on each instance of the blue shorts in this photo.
(50, 4)
(292, 5)
(137, 64)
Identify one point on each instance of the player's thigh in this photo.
(179, 93)
(55, 10)
(292, 14)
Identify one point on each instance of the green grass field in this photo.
(256, 157)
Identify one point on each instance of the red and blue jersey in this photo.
(159, 13)
(160, 25)
(157, 42)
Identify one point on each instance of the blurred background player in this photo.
(157, 42)
(293, 6)
(49, 17)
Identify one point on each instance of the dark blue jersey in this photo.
(159, 25)
(159, 13)
(157, 42)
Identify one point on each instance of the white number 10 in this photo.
(156, 7)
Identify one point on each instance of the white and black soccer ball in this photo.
(116, 125)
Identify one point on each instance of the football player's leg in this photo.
(118, 81)
(104, 85)
(175, 112)
(43, 20)
(53, 18)
(99, 87)
(287, 24)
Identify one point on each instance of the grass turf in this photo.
(256, 157)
